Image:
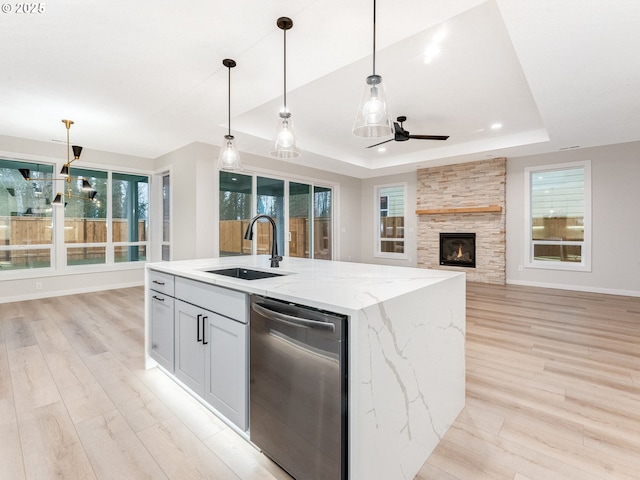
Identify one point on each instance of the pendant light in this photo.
(229, 158)
(373, 119)
(286, 143)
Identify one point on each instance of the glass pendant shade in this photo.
(373, 119)
(229, 158)
(286, 143)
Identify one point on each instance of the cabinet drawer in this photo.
(230, 303)
(161, 329)
(161, 282)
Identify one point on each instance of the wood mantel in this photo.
(439, 211)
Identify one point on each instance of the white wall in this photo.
(194, 184)
(615, 190)
(615, 174)
(195, 199)
(368, 222)
(27, 284)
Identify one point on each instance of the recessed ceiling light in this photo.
(496, 126)
(440, 35)
(382, 149)
(430, 52)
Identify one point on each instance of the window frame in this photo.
(109, 245)
(256, 172)
(33, 247)
(377, 240)
(166, 212)
(529, 262)
(59, 246)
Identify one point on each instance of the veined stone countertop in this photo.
(406, 334)
(342, 287)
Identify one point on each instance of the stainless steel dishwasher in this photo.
(298, 388)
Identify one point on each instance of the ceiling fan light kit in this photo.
(373, 119)
(229, 158)
(286, 142)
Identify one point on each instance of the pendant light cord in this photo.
(374, 37)
(285, 70)
(229, 100)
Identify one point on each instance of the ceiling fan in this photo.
(402, 135)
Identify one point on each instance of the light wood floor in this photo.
(553, 388)
(553, 392)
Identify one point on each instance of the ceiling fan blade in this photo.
(371, 146)
(429, 137)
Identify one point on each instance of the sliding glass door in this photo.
(302, 213)
(235, 213)
(299, 219)
(270, 201)
(322, 223)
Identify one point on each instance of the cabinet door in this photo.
(189, 347)
(226, 371)
(162, 329)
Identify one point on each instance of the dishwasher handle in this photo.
(291, 320)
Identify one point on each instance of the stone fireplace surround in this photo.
(464, 198)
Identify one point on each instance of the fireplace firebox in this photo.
(458, 249)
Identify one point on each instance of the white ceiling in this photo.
(146, 77)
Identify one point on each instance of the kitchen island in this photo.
(406, 330)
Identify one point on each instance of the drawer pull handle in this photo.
(203, 324)
(198, 327)
(158, 298)
(157, 282)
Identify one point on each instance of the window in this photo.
(110, 228)
(302, 212)
(130, 223)
(121, 205)
(558, 213)
(270, 201)
(166, 217)
(85, 222)
(299, 219)
(26, 220)
(322, 223)
(235, 213)
(390, 201)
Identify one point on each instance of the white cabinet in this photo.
(211, 350)
(226, 369)
(161, 325)
(189, 346)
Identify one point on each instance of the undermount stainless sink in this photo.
(244, 273)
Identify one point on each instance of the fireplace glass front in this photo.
(458, 249)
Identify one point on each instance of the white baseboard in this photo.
(61, 293)
(577, 288)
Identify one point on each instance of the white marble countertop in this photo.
(342, 287)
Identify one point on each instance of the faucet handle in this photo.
(274, 260)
